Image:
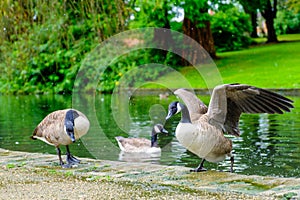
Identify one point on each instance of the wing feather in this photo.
(229, 101)
(195, 106)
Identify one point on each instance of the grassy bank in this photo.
(263, 65)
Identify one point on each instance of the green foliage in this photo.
(44, 43)
(267, 66)
(152, 14)
(293, 5)
(133, 69)
(42, 51)
(287, 22)
(196, 11)
(230, 30)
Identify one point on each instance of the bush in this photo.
(230, 30)
(133, 69)
(287, 22)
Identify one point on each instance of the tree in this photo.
(251, 9)
(268, 10)
(154, 14)
(163, 37)
(196, 25)
(44, 42)
(269, 13)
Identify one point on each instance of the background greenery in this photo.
(42, 43)
(265, 65)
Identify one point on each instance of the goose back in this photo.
(136, 145)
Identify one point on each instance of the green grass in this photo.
(263, 65)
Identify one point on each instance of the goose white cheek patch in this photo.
(178, 108)
(156, 129)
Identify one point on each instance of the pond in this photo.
(269, 144)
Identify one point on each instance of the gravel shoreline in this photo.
(37, 176)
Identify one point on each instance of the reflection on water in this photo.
(140, 157)
(269, 144)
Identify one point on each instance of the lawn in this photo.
(262, 65)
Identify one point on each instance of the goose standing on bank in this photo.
(142, 145)
(62, 127)
(201, 129)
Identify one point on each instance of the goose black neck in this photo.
(154, 139)
(69, 117)
(185, 115)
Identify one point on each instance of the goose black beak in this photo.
(170, 114)
(72, 138)
(164, 131)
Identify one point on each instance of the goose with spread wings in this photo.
(201, 128)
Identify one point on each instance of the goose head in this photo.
(69, 125)
(174, 108)
(177, 107)
(158, 128)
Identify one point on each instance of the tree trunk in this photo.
(272, 37)
(254, 24)
(269, 13)
(162, 36)
(253, 16)
(202, 35)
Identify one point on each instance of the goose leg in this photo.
(60, 160)
(59, 156)
(232, 162)
(71, 159)
(200, 168)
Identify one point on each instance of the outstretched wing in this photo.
(195, 106)
(229, 101)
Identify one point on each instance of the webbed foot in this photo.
(68, 165)
(72, 160)
(198, 169)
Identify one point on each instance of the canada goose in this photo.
(62, 127)
(204, 136)
(138, 145)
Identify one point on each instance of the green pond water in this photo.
(269, 144)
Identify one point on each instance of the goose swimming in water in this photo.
(201, 129)
(62, 127)
(142, 145)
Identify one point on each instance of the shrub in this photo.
(287, 22)
(230, 29)
(44, 42)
